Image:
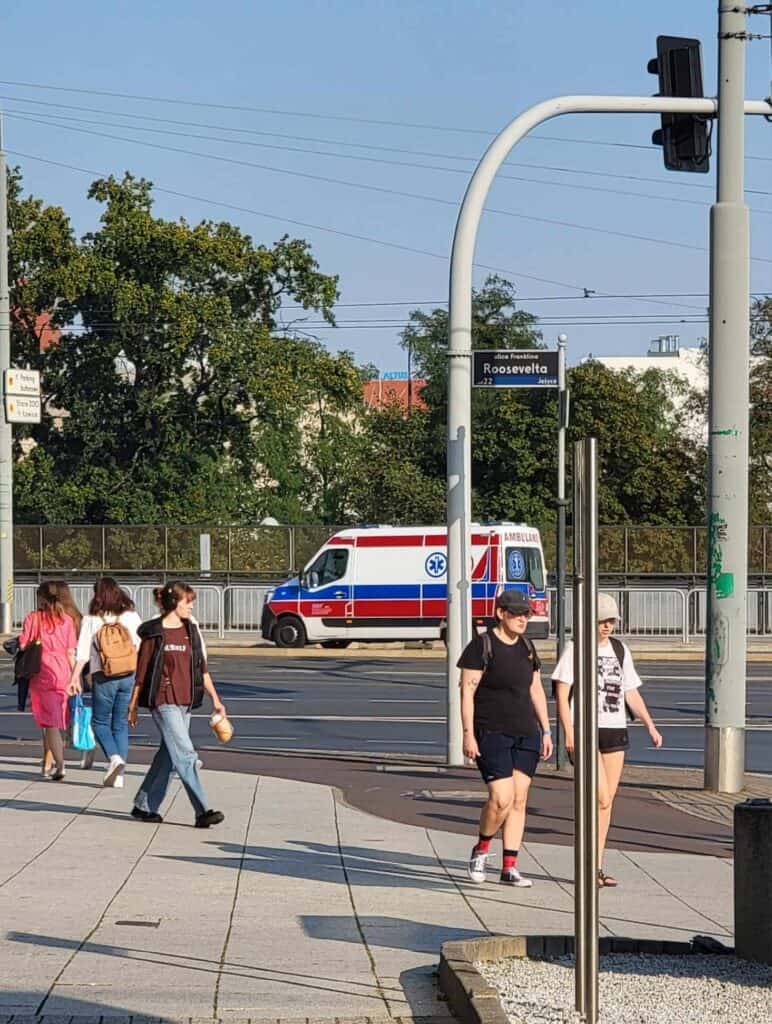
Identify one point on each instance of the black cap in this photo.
(514, 601)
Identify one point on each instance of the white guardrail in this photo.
(647, 613)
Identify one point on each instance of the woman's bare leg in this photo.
(56, 746)
(514, 823)
(609, 773)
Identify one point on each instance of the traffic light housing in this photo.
(685, 138)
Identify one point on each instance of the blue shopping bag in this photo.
(82, 733)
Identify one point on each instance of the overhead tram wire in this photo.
(326, 117)
(386, 149)
(372, 188)
(605, 190)
(583, 290)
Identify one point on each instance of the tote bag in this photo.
(82, 733)
(28, 660)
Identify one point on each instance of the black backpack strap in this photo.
(620, 653)
(487, 650)
(619, 650)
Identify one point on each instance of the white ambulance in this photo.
(390, 583)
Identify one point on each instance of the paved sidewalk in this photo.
(297, 907)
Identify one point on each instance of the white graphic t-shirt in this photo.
(614, 681)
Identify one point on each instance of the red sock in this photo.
(483, 844)
(510, 860)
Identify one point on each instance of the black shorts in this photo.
(500, 755)
(610, 741)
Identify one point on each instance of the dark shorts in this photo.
(500, 755)
(610, 741)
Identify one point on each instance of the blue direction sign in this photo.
(515, 368)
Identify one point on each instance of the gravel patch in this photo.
(635, 989)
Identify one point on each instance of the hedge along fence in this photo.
(271, 552)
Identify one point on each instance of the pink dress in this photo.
(48, 689)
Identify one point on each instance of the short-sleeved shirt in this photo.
(614, 681)
(176, 685)
(502, 701)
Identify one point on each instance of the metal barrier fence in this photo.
(647, 613)
(275, 552)
(220, 610)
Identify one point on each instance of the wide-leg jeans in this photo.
(176, 753)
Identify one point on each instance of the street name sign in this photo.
(22, 409)
(22, 382)
(514, 368)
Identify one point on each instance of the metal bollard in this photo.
(753, 880)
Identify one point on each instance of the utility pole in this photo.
(725, 662)
(560, 745)
(6, 436)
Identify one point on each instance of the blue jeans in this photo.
(110, 698)
(176, 753)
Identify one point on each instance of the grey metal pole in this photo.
(560, 744)
(589, 738)
(460, 348)
(728, 426)
(580, 754)
(6, 433)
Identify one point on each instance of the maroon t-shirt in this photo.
(176, 685)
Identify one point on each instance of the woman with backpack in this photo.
(51, 628)
(506, 729)
(172, 678)
(618, 689)
(108, 644)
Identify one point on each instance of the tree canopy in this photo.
(176, 393)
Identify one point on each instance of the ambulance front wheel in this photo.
(289, 632)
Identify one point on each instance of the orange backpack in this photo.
(117, 653)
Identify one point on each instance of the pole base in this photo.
(724, 759)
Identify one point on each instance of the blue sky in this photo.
(323, 74)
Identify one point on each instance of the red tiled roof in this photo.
(381, 393)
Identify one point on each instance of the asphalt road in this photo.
(390, 707)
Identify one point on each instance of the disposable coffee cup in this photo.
(222, 727)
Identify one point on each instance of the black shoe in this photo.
(209, 818)
(149, 816)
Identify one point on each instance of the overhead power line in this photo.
(582, 289)
(326, 117)
(26, 115)
(381, 149)
(374, 188)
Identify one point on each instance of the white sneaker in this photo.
(118, 782)
(114, 769)
(513, 877)
(199, 764)
(477, 866)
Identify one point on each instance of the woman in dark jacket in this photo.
(171, 680)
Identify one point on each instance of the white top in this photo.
(614, 681)
(90, 626)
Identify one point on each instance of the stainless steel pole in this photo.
(580, 754)
(725, 660)
(6, 433)
(589, 738)
(560, 552)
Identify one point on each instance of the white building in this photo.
(665, 353)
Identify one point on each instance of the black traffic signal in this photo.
(685, 138)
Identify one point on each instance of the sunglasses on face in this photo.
(516, 615)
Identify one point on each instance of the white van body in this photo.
(390, 583)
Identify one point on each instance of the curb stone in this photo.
(474, 1001)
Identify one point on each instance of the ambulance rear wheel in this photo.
(335, 645)
(289, 632)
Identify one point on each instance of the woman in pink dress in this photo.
(48, 688)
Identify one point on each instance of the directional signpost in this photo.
(22, 396)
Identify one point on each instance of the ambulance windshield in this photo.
(524, 565)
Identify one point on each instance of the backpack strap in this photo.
(620, 654)
(487, 650)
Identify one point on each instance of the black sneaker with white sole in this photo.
(209, 818)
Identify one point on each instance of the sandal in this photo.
(606, 881)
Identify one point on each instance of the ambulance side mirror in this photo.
(309, 580)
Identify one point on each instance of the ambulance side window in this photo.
(330, 566)
(524, 565)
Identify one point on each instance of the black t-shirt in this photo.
(502, 701)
